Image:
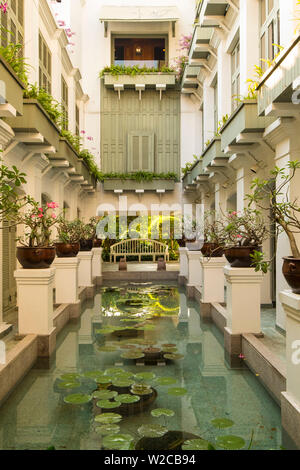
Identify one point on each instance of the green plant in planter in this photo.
(11, 179)
(68, 231)
(12, 53)
(48, 103)
(245, 229)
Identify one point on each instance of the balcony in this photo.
(277, 86)
(36, 128)
(11, 91)
(201, 46)
(213, 155)
(244, 127)
(212, 12)
(156, 185)
(190, 82)
(145, 80)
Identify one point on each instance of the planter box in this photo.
(36, 120)
(201, 42)
(66, 152)
(148, 79)
(212, 152)
(132, 185)
(245, 119)
(11, 87)
(277, 83)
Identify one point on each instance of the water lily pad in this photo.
(106, 404)
(107, 429)
(127, 398)
(162, 412)
(145, 376)
(93, 374)
(124, 375)
(118, 442)
(104, 331)
(169, 345)
(177, 391)
(107, 348)
(170, 350)
(166, 381)
(104, 379)
(230, 442)
(141, 389)
(174, 357)
(152, 430)
(69, 385)
(77, 399)
(222, 423)
(69, 377)
(114, 371)
(132, 355)
(108, 418)
(121, 383)
(196, 444)
(104, 394)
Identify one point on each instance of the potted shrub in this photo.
(272, 196)
(36, 251)
(214, 236)
(69, 233)
(87, 235)
(245, 234)
(97, 242)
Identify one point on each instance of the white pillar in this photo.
(213, 279)
(243, 300)
(66, 280)
(183, 262)
(35, 300)
(97, 262)
(290, 406)
(85, 269)
(194, 268)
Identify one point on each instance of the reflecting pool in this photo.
(139, 370)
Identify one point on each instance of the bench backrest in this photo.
(136, 246)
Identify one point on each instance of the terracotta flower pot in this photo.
(97, 243)
(291, 272)
(239, 256)
(212, 250)
(36, 258)
(86, 245)
(67, 250)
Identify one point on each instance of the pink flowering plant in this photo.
(38, 221)
(245, 229)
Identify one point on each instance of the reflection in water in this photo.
(145, 322)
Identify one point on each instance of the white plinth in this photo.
(291, 305)
(213, 279)
(243, 300)
(183, 260)
(85, 278)
(66, 280)
(194, 268)
(35, 300)
(97, 262)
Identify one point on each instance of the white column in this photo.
(85, 269)
(97, 262)
(243, 300)
(194, 273)
(66, 280)
(290, 407)
(213, 279)
(35, 300)
(183, 262)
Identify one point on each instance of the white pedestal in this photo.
(243, 300)
(97, 262)
(194, 268)
(66, 280)
(290, 402)
(85, 269)
(213, 279)
(35, 300)
(183, 260)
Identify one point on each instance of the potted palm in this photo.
(37, 251)
(245, 234)
(69, 233)
(272, 195)
(214, 236)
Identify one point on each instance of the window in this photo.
(269, 29)
(77, 120)
(140, 151)
(149, 52)
(235, 76)
(12, 23)
(65, 102)
(216, 121)
(44, 65)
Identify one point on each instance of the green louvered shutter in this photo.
(140, 151)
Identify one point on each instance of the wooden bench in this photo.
(139, 247)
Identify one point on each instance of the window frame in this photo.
(272, 20)
(65, 102)
(15, 17)
(235, 75)
(45, 70)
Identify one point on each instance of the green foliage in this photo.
(68, 231)
(48, 103)
(189, 165)
(133, 70)
(138, 176)
(12, 53)
(10, 203)
(260, 263)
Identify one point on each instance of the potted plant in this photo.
(87, 235)
(36, 251)
(97, 242)
(69, 233)
(245, 234)
(214, 236)
(272, 195)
